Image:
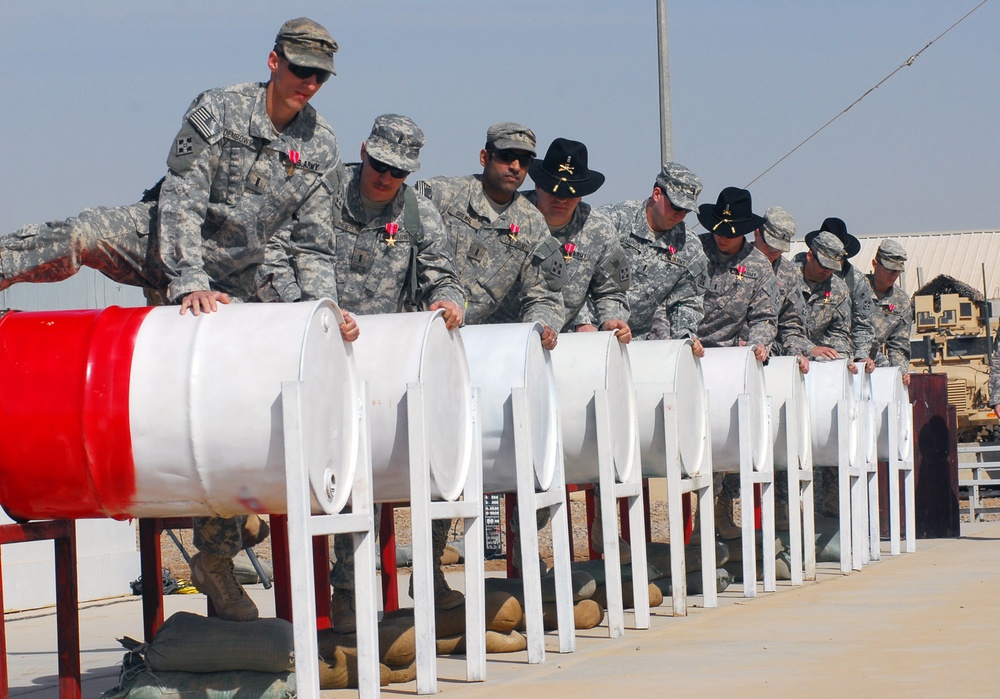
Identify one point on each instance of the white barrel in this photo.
(584, 363)
(867, 426)
(669, 366)
(393, 351)
(888, 391)
(786, 385)
(503, 357)
(827, 383)
(206, 412)
(729, 373)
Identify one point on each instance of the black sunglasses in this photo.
(305, 72)
(380, 167)
(509, 156)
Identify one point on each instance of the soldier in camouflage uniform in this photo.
(666, 259)
(862, 304)
(247, 160)
(891, 321)
(509, 265)
(826, 297)
(596, 269)
(772, 239)
(512, 269)
(995, 376)
(741, 305)
(392, 249)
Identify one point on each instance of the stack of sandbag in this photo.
(586, 613)
(192, 655)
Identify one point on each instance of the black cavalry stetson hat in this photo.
(564, 172)
(731, 216)
(837, 226)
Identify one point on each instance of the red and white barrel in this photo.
(828, 383)
(729, 373)
(393, 351)
(669, 366)
(584, 363)
(143, 412)
(503, 357)
(786, 385)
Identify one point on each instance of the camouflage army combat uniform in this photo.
(792, 338)
(510, 266)
(596, 268)
(862, 311)
(891, 323)
(995, 372)
(741, 295)
(828, 309)
(231, 184)
(665, 273)
(373, 267)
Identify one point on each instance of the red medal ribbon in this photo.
(293, 157)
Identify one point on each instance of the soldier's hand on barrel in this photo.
(452, 313)
(349, 328)
(549, 338)
(852, 367)
(624, 331)
(203, 301)
(586, 328)
(906, 379)
(824, 352)
(804, 365)
(760, 351)
(697, 349)
(869, 365)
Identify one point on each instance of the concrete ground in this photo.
(917, 625)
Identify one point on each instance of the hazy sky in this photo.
(93, 93)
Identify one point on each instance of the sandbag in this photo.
(207, 685)
(586, 615)
(192, 643)
(658, 557)
(396, 642)
(736, 548)
(628, 596)
(827, 545)
(582, 583)
(510, 642)
(596, 570)
(340, 671)
(503, 611)
(695, 585)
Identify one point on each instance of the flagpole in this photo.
(666, 129)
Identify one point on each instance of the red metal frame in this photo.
(63, 535)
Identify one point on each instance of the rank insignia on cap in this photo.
(391, 229)
(568, 250)
(185, 146)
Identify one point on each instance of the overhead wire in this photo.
(908, 62)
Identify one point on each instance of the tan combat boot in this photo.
(214, 577)
(342, 615)
(444, 596)
(597, 541)
(781, 514)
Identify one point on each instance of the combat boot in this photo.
(343, 618)
(725, 527)
(214, 577)
(597, 541)
(444, 596)
(781, 514)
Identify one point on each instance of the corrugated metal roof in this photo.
(959, 254)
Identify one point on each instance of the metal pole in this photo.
(666, 128)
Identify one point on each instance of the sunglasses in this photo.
(508, 156)
(678, 209)
(305, 72)
(380, 167)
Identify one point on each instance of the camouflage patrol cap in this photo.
(510, 136)
(306, 43)
(396, 140)
(828, 250)
(778, 228)
(892, 255)
(681, 186)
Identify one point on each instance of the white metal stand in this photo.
(529, 501)
(848, 478)
(679, 485)
(860, 493)
(303, 526)
(801, 509)
(424, 510)
(749, 477)
(611, 489)
(904, 465)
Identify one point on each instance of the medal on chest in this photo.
(568, 250)
(514, 230)
(293, 160)
(391, 229)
